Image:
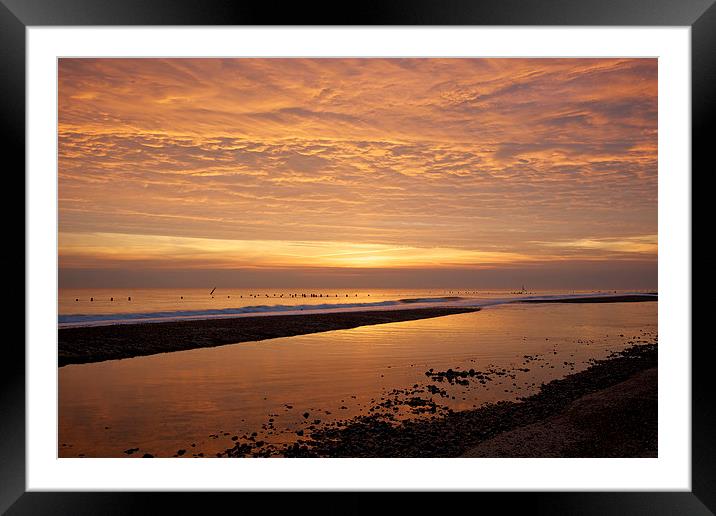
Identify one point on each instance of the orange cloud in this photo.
(396, 162)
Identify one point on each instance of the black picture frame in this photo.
(17, 15)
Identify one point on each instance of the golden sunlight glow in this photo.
(200, 252)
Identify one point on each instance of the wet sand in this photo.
(96, 344)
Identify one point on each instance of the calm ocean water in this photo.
(198, 400)
(107, 306)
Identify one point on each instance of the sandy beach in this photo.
(618, 421)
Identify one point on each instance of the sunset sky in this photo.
(358, 172)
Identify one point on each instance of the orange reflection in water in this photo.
(163, 403)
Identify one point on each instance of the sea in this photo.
(92, 307)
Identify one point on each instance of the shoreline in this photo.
(110, 319)
(88, 344)
(607, 410)
(80, 345)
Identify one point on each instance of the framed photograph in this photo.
(432, 247)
